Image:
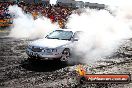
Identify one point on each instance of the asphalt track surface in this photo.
(17, 72)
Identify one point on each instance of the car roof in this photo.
(69, 30)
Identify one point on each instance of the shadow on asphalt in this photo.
(43, 66)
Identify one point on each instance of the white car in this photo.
(57, 45)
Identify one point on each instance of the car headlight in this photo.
(48, 50)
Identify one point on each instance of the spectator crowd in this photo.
(56, 13)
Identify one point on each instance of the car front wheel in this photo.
(65, 55)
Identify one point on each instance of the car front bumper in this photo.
(43, 55)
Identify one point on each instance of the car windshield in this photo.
(60, 34)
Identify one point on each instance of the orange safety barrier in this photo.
(4, 25)
(6, 22)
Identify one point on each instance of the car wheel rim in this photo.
(65, 56)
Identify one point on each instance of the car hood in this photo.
(49, 43)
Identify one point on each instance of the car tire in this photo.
(65, 55)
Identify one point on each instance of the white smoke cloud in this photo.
(24, 26)
(103, 32)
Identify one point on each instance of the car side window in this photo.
(76, 35)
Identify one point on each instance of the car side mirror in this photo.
(74, 39)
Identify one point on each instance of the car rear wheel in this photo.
(65, 55)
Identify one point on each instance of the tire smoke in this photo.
(24, 25)
(103, 31)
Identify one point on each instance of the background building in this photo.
(79, 4)
(94, 5)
